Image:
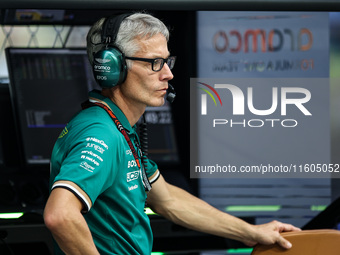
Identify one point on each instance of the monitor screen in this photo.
(162, 145)
(1, 153)
(4, 115)
(47, 87)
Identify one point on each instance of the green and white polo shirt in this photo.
(92, 159)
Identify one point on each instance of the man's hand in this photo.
(269, 233)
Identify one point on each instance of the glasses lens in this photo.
(171, 62)
(157, 64)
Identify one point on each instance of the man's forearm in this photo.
(191, 212)
(74, 238)
(63, 218)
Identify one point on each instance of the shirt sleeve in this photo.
(152, 171)
(88, 168)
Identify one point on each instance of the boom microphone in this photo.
(171, 93)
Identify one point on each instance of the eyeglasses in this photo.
(157, 63)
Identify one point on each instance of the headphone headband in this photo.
(111, 27)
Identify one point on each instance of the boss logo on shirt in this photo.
(132, 163)
(132, 176)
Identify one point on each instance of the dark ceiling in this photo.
(272, 5)
(85, 12)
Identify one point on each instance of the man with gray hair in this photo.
(100, 179)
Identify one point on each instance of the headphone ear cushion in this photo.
(109, 67)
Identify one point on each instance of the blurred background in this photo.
(45, 76)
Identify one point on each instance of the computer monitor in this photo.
(2, 131)
(8, 139)
(1, 154)
(162, 143)
(47, 87)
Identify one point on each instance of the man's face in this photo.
(143, 86)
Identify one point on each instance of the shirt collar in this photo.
(97, 96)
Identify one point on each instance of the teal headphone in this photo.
(109, 66)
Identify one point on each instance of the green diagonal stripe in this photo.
(208, 92)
